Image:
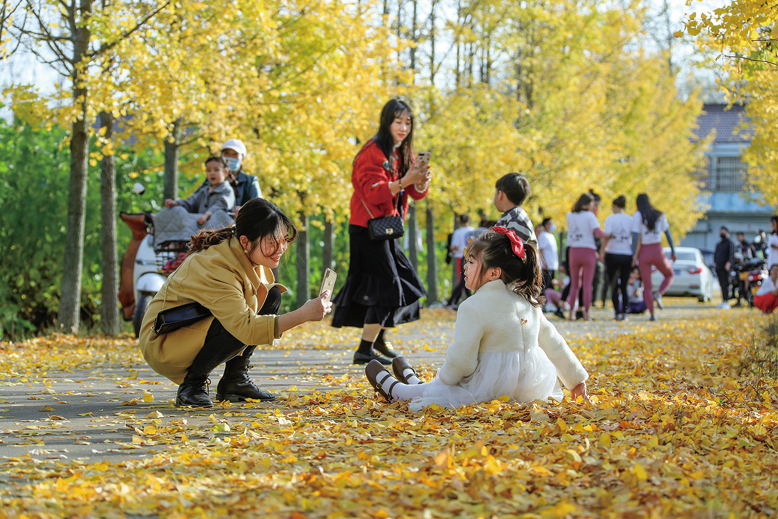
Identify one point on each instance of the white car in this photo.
(692, 276)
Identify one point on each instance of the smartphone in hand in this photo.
(423, 159)
(328, 282)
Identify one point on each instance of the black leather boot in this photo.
(236, 386)
(383, 347)
(193, 391)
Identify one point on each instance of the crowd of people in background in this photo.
(616, 260)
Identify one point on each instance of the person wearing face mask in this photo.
(723, 258)
(245, 186)
(549, 252)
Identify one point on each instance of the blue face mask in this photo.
(551, 228)
(232, 163)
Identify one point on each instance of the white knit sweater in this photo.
(496, 319)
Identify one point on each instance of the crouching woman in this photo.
(227, 288)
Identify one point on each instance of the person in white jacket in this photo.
(503, 344)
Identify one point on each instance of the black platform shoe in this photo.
(193, 392)
(383, 347)
(364, 358)
(236, 386)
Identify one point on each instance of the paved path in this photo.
(90, 415)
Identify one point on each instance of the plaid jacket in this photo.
(518, 220)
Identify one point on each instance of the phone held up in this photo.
(423, 158)
(328, 282)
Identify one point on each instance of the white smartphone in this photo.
(328, 282)
(423, 158)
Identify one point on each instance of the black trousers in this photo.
(617, 269)
(548, 278)
(456, 294)
(723, 276)
(220, 345)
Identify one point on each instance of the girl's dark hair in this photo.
(523, 276)
(383, 138)
(648, 213)
(620, 202)
(774, 219)
(256, 219)
(214, 158)
(583, 200)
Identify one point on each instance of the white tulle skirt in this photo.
(523, 376)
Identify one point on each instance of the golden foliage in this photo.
(672, 431)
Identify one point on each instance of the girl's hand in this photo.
(579, 390)
(203, 218)
(316, 309)
(634, 261)
(170, 203)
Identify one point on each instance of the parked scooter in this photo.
(145, 266)
(748, 277)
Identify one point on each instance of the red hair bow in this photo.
(516, 244)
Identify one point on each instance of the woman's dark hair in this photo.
(648, 213)
(583, 200)
(256, 219)
(383, 138)
(214, 158)
(774, 219)
(515, 186)
(620, 202)
(523, 276)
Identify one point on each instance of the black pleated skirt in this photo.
(381, 286)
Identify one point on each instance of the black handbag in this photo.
(179, 316)
(385, 227)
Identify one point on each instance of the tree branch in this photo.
(105, 48)
(752, 59)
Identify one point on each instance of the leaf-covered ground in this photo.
(676, 427)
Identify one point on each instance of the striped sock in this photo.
(411, 377)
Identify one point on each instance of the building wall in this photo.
(740, 210)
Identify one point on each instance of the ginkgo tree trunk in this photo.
(60, 35)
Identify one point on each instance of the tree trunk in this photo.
(328, 252)
(109, 308)
(70, 298)
(413, 233)
(171, 161)
(303, 259)
(432, 265)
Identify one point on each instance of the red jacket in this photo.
(370, 177)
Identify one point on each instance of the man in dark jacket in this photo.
(723, 257)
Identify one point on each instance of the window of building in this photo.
(727, 174)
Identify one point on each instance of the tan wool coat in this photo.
(222, 279)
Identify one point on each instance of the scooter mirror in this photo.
(138, 188)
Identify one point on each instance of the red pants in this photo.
(583, 262)
(653, 255)
(766, 303)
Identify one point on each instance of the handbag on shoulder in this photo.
(385, 227)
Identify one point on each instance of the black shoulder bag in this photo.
(385, 227)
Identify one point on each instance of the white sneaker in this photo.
(724, 306)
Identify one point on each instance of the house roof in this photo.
(725, 119)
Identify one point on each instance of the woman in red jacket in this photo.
(382, 289)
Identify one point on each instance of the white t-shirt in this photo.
(459, 240)
(649, 237)
(580, 229)
(620, 226)
(772, 254)
(767, 287)
(547, 245)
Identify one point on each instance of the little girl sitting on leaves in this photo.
(503, 344)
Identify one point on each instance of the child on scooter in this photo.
(217, 196)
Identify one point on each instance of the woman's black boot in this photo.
(193, 391)
(383, 347)
(236, 386)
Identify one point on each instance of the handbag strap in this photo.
(396, 212)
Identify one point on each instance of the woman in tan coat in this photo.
(229, 273)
